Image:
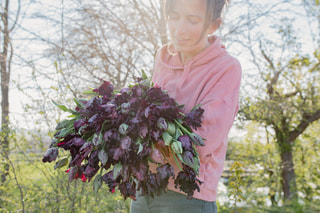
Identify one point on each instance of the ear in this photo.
(214, 26)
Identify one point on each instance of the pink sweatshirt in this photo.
(212, 79)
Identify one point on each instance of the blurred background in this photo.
(55, 50)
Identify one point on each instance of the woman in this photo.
(196, 69)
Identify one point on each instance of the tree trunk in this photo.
(5, 77)
(288, 177)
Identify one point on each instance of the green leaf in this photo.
(90, 92)
(97, 183)
(103, 157)
(97, 139)
(140, 148)
(61, 163)
(64, 132)
(79, 103)
(167, 138)
(62, 107)
(116, 170)
(143, 74)
(65, 124)
(195, 107)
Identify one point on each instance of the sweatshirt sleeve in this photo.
(221, 103)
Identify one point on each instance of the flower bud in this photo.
(103, 157)
(188, 158)
(167, 138)
(176, 147)
(196, 139)
(123, 129)
(50, 155)
(125, 108)
(125, 143)
(162, 124)
(77, 141)
(156, 156)
(171, 128)
(145, 83)
(185, 142)
(196, 165)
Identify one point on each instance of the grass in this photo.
(47, 190)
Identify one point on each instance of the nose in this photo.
(180, 28)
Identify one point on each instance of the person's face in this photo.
(186, 21)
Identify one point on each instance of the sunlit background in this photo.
(62, 48)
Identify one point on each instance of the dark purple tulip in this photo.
(92, 104)
(108, 108)
(108, 179)
(89, 172)
(93, 160)
(108, 135)
(66, 143)
(124, 90)
(137, 92)
(86, 149)
(128, 189)
(140, 171)
(93, 119)
(187, 181)
(185, 142)
(165, 171)
(50, 155)
(78, 141)
(143, 131)
(156, 156)
(105, 89)
(77, 159)
(125, 173)
(188, 158)
(125, 143)
(117, 153)
(156, 134)
(193, 118)
(79, 123)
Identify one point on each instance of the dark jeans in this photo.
(171, 202)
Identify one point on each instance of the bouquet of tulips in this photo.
(114, 136)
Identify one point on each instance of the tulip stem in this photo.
(176, 160)
(182, 127)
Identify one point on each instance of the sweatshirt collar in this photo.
(215, 49)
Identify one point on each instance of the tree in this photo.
(289, 100)
(6, 54)
(110, 40)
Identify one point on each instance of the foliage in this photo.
(261, 179)
(48, 190)
(287, 98)
(235, 182)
